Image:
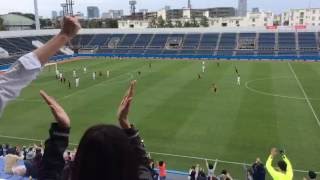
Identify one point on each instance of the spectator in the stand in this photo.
(1, 150)
(155, 174)
(311, 176)
(27, 68)
(258, 170)
(30, 154)
(5, 148)
(104, 152)
(201, 175)
(24, 152)
(11, 161)
(210, 171)
(192, 173)
(224, 175)
(285, 171)
(162, 170)
(32, 166)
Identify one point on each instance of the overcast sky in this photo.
(46, 6)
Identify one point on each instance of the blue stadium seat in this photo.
(228, 41)
(159, 41)
(143, 40)
(307, 41)
(191, 41)
(266, 41)
(286, 40)
(209, 41)
(128, 40)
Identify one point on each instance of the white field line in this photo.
(157, 153)
(272, 94)
(304, 93)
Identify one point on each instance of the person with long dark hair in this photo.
(105, 151)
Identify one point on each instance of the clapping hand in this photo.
(58, 112)
(124, 107)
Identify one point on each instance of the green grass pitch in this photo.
(179, 114)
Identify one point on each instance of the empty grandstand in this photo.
(188, 43)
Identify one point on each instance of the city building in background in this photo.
(301, 17)
(54, 15)
(113, 14)
(93, 12)
(242, 8)
(80, 15)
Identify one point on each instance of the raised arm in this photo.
(71, 26)
(269, 167)
(27, 68)
(289, 166)
(133, 133)
(52, 163)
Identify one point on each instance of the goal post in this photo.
(52, 66)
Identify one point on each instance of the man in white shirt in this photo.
(74, 74)
(203, 66)
(85, 69)
(77, 82)
(94, 75)
(27, 68)
(238, 79)
(108, 74)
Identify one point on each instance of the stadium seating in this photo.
(143, 40)
(228, 41)
(128, 40)
(191, 41)
(307, 41)
(267, 41)
(209, 41)
(159, 41)
(264, 44)
(287, 41)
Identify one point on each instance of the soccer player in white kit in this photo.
(74, 74)
(60, 76)
(203, 66)
(108, 73)
(57, 73)
(238, 79)
(94, 75)
(85, 69)
(77, 82)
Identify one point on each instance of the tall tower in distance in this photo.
(36, 14)
(189, 4)
(133, 4)
(242, 8)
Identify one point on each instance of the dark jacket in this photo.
(259, 172)
(52, 166)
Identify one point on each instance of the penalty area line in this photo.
(305, 94)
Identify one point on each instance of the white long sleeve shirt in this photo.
(20, 75)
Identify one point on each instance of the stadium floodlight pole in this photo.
(36, 13)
